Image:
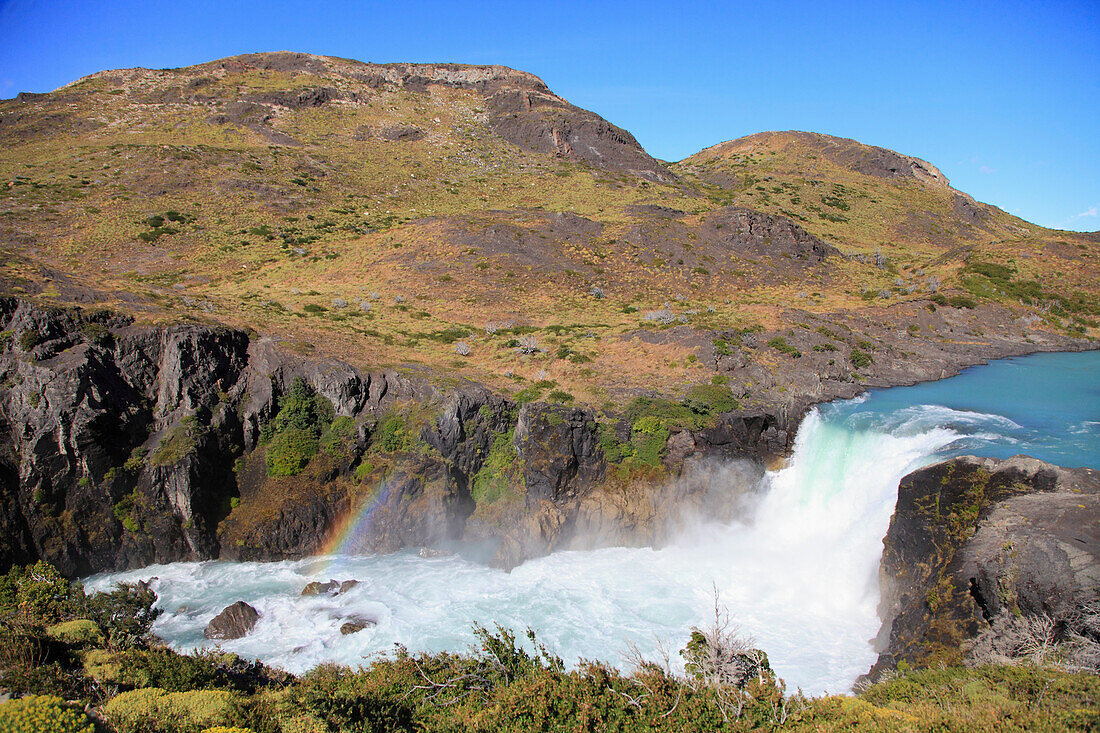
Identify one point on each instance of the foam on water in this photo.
(798, 572)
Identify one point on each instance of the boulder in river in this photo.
(233, 622)
(317, 588)
(329, 588)
(356, 624)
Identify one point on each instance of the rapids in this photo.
(797, 572)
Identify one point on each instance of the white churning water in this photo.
(798, 572)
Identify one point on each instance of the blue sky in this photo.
(1004, 97)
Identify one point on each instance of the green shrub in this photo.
(349, 701)
(559, 396)
(392, 435)
(43, 714)
(528, 394)
(780, 344)
(153, 709)
(649, 439)
(136, 461)
(992, 271)
(29, 339)
(157, 667)
(339, 435)
(364, 469)
(40, 594)
(710, 399)
(31, 662)
(178, 443)
(124, 512)
(860, 359)
(301, 407)
(293, 435)
(289, 451)
(97, 333)
(671, 413)
(78, 632)
(614, 450)
(494, 480)
(107, 667)
(126, 614)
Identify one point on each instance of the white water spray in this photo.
(799, 575)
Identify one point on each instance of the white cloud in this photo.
(1092, 211)
(986, 169)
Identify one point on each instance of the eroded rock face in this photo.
(233, 622)
(973, 538)
(118, 444)
(559, 450)
(745, 229)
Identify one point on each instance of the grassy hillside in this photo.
(431, 217)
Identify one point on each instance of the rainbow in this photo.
(350, 533)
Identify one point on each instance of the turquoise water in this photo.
(1045, 405)
(798, 572)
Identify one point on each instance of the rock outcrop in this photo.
(233, 622)
(973, 539)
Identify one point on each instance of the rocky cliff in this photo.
(977, 544)
(127, 445)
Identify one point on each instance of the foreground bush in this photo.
(43, 714)
(151, 710)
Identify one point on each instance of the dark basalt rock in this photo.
(233, 622)
(122, 446)
(973, 538)
(559, 448)
(332, 587)
(545, 123)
